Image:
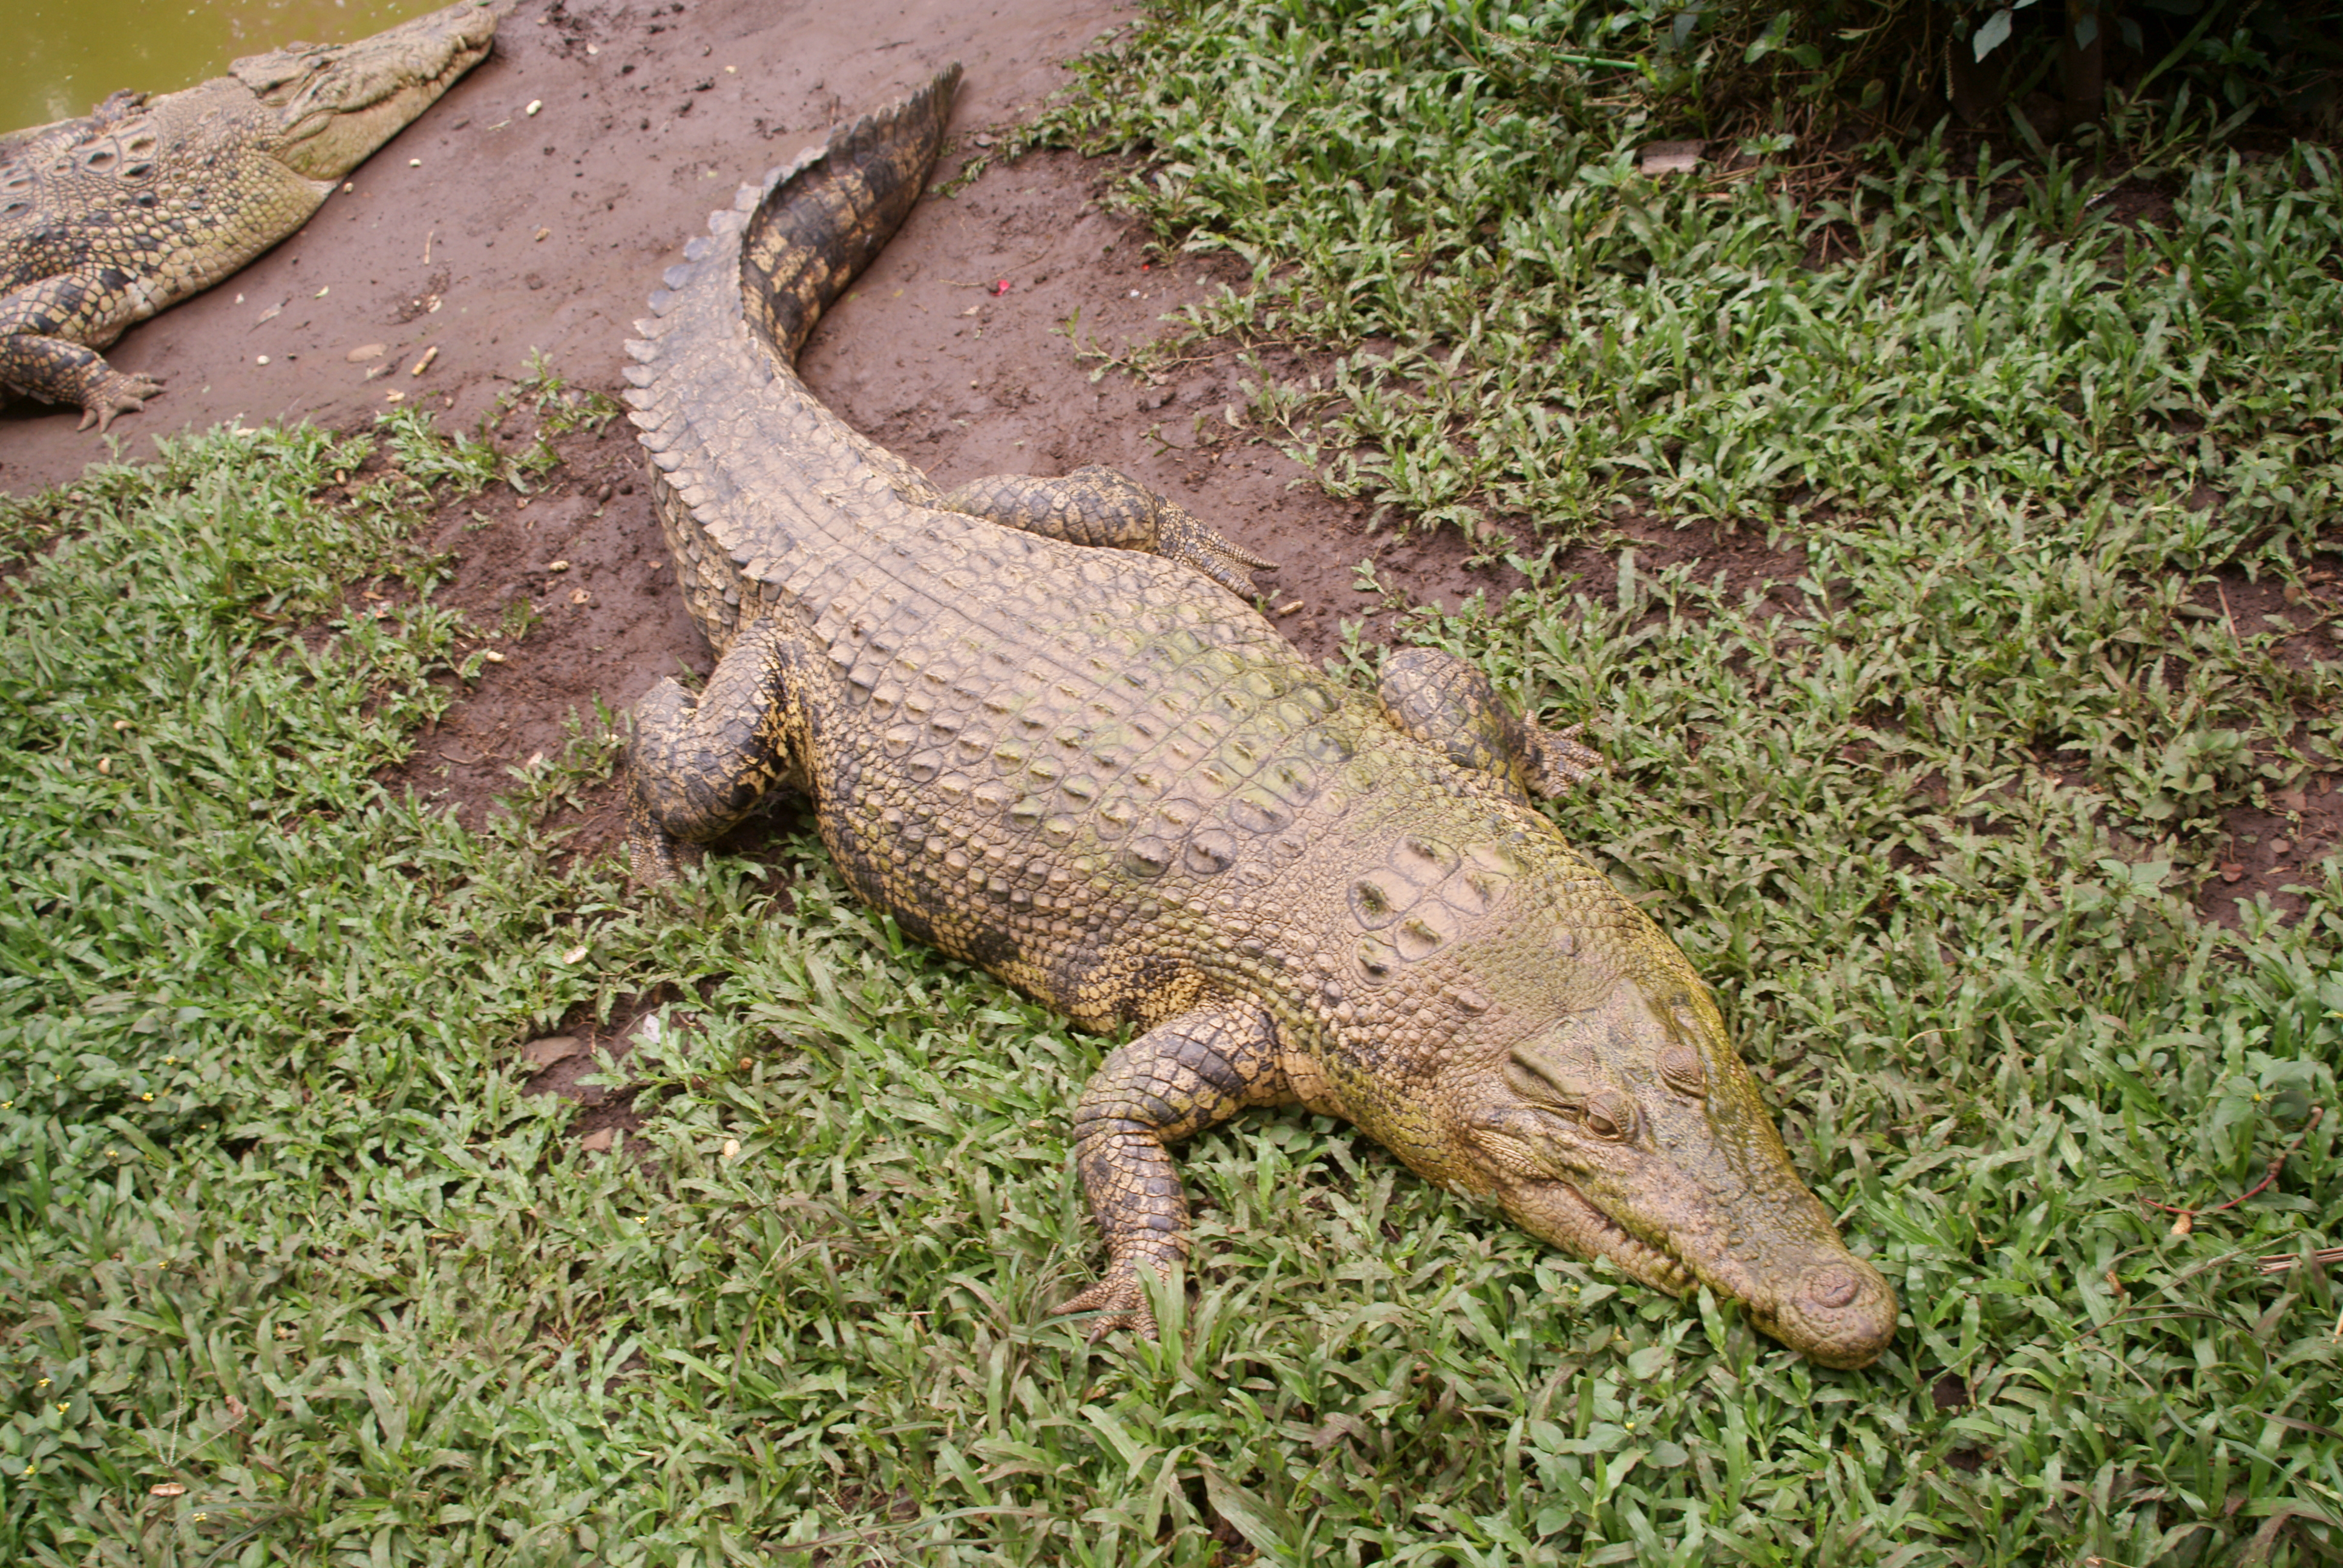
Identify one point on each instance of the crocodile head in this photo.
(1632, 1131)
(1575, 1069)
(337, 102)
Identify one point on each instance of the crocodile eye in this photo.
(1680, 1068)
(1611, 1115)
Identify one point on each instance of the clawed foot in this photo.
(115, 393)
(1562, 763)
(1226, 562)
(655, 857)
(661, 862)
(1120, 1303)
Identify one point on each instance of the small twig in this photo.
(2271, 1175)
(2279, 1262)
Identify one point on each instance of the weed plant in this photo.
(294, 1271)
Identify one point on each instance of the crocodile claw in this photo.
(1562, 763)
(1121, 1303)
(115, 393)
(1191, 543)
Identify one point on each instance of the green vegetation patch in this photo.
(293, 1271)
(1532, 331)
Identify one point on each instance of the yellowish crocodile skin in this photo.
(107, 219)
(1051, 739)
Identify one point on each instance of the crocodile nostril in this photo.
(1833, 1285)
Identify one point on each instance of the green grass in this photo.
(278, 1225)
(1533, 333)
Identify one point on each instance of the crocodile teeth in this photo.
(1644, 1259)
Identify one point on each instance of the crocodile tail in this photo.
(821, 219)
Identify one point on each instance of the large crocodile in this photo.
(109, 218)
(1042, 727)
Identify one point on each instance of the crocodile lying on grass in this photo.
(1042, 727)
(107, 219)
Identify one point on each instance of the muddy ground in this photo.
(973, 345)
(533, 208)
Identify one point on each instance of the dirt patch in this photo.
(2271, 852)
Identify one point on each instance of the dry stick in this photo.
(2269, 1176)
(2279, 1262)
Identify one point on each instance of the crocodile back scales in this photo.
(1078, 766)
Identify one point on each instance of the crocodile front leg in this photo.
(58, 370)
(1105, 506)
(1445, 702)
(1178, 1078)
(698, 765)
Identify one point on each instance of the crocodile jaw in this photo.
(1830, 1305)
(337, 103)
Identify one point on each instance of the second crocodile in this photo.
(109, 218)
(1041, 727)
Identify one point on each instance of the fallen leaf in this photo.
(366, 351)
(599, 1140)
(1670, 157)
(271, 313)
(2232, 872)
(552, 1049)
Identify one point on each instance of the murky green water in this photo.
(57, 57)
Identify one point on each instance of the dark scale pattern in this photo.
(1039, 729)
(107, 219)
(1445, 702)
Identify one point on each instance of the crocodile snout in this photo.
(1840, 1313)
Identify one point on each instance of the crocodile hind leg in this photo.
(696, 766)
(1105, 506)
(1445, 702)
(1178, 1078)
